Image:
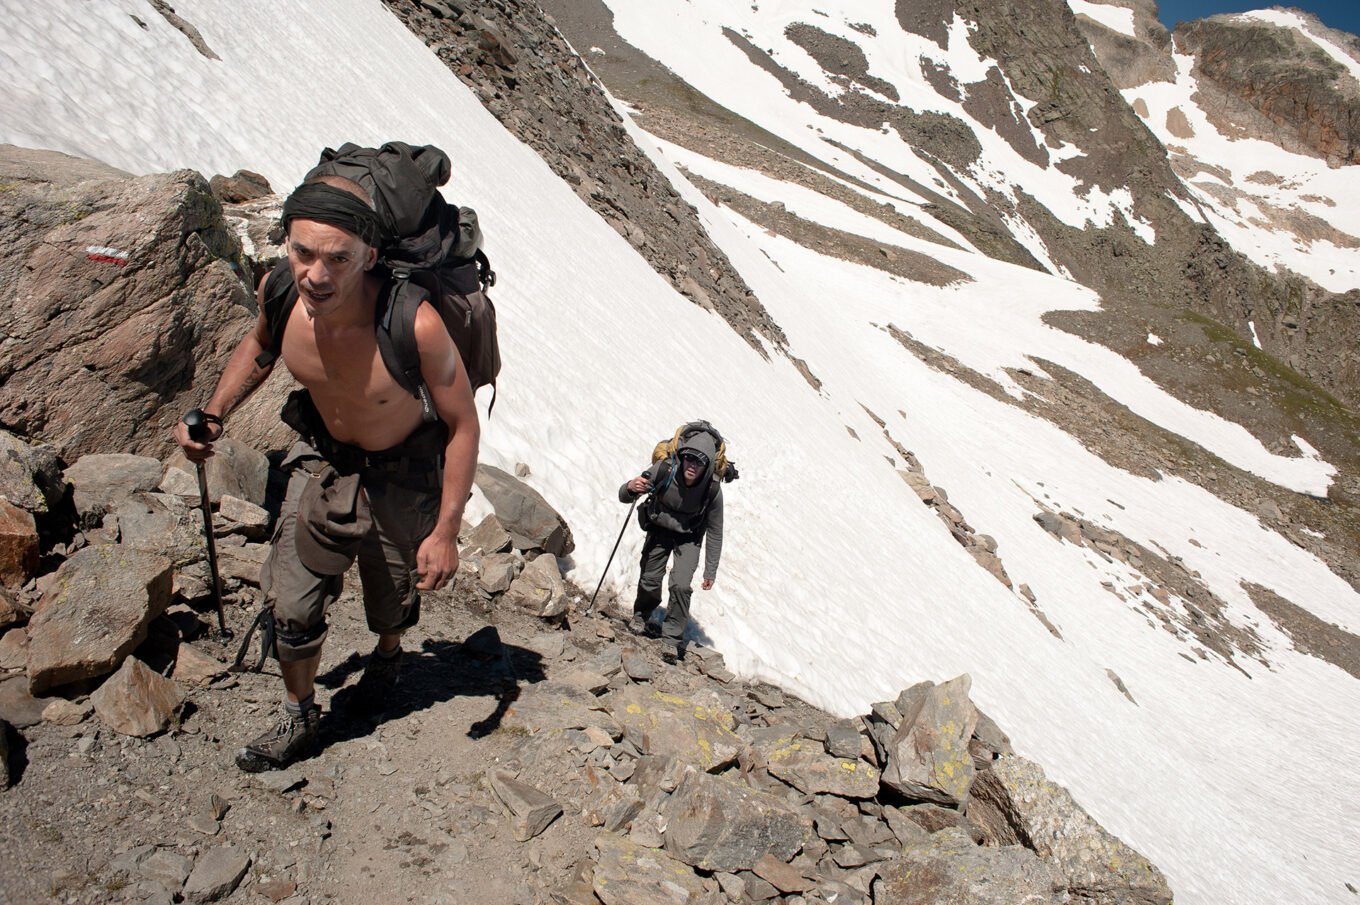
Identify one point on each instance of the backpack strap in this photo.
(280, 295)
(485, 275)
(397, 342)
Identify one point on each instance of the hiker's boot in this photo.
(291, 738)
(378, 685)
(637, 625)
(652, 629)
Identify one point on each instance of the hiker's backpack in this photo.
(668, 449)
(432, 251)
(667, 453)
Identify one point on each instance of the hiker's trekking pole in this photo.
(196, 420)
(611, 558)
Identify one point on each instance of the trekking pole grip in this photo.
(198, 423)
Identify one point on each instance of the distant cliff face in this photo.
(1278, 85)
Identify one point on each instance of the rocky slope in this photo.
(548, 99)
(534, 753)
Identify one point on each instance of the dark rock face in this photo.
(116, 291)
(840, 57)
(527, 75)
(1279, 82)
(937, 134)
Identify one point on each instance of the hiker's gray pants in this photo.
(659, 547)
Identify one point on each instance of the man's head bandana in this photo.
(334, 207)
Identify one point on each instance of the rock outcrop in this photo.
(1262, 80)
(121, 295)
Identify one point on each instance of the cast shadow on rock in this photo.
(17, 746)
(480, 666)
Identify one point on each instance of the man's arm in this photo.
(444, 375)
(241, 377)
(713, 540)
(635, 487)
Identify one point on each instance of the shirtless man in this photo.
(385, 485)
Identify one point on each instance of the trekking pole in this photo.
(611, 558)
(196, 420)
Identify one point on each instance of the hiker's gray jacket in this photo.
(681, 510)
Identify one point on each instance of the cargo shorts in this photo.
(404, 509)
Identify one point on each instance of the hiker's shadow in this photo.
(479, 666)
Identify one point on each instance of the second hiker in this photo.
(683, 512)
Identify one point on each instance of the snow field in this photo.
(836, 581)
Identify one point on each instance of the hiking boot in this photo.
(637, 625)
(290, 739)
(378, 685)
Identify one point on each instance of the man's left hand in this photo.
(708, 584)
(436, 561)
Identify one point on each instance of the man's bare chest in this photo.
(338, 360)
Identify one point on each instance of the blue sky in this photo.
(1342, 14)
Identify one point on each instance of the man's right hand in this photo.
(195, 451)
(640, 484)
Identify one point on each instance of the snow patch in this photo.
(1115, 18)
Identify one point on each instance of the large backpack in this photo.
(432, 251)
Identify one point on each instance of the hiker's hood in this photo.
(703, 447)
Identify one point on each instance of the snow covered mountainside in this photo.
(982, 265)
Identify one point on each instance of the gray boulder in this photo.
(10, 612)
(489, 536)
(946, 868)
(530, 809)
(498, 572)
(539, 588)
(928, 757)
(236, 469)
(216, 874)
(13, 650)
(1014, 802)
(104, 480)
(136, 700)
(238, 516)
(30, 476)
(18, 707)
(532, 523)
(630, 874)
(805, 766)
(716, 823)
(161, 523)
(668, 724)
(99, 606)
(552, 705)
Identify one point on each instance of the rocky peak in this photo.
(1277, 83)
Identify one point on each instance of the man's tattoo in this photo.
(248, 386)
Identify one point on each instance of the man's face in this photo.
(692, 469)
(328, 264)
